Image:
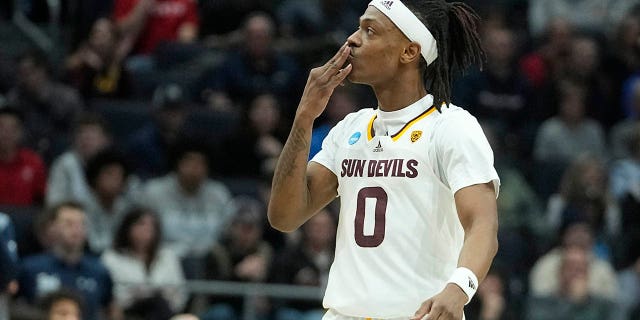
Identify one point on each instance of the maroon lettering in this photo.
(379, 168)
(387, 166)
(399, 172)
(412, 171)
(372, 168)
(352, 163)
(359, 168)
(343, 172)
(394, 170)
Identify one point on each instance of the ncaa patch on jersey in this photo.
(354, 138)
(415, 135)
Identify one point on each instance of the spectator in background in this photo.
(584, 196)
(492, 301)
(240, 255)
(261, 138)
(255, 68)
(544, 279)
(500, 92)
(149, 146)
(592, 16)
(67, 179)
(112, 194)
(63, 304)
(22, 171)
(306, 263)
(192, 207)
(546, 64)
(585, 68)
(623, 132)
(96, 68)
(66, 265)
(562, 138)
(8, 264)
(50, 108)
(225, 18)
(622, 60)
(341, 103)
(312, 18)
(148, 23)
(574, 299)
(310, 27)
(148, 277)
(82, 15)
(551, 55)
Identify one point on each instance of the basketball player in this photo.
(418, 221)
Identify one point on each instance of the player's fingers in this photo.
(341, 75)
(336, 56)
(424, 310)
(440, 312)
(434, 315)
(335, 65)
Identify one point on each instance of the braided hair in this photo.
(455, 28)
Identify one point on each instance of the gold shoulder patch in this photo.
(415, 135)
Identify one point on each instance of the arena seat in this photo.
(124, 117)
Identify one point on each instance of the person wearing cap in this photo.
(149, 146)
(418, 223)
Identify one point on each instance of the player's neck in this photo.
(400, 92)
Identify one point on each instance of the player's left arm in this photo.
(478, 213)
(477, 210)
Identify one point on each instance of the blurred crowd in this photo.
(138, 139)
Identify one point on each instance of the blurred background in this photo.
(138, 139)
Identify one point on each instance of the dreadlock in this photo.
(455, 28)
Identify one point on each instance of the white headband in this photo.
(410, 25)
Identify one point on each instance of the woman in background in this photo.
(148, 279)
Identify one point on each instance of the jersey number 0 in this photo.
(374, 240)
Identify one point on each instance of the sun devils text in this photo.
(379, 168)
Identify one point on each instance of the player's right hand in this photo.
(321, 83)
(446, 305)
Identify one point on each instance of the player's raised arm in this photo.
(298, 191)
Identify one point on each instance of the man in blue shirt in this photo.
(66, 265)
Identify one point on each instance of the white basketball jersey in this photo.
(399, 235)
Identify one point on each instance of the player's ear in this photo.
(411, 53)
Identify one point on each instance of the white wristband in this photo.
(466, 280)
